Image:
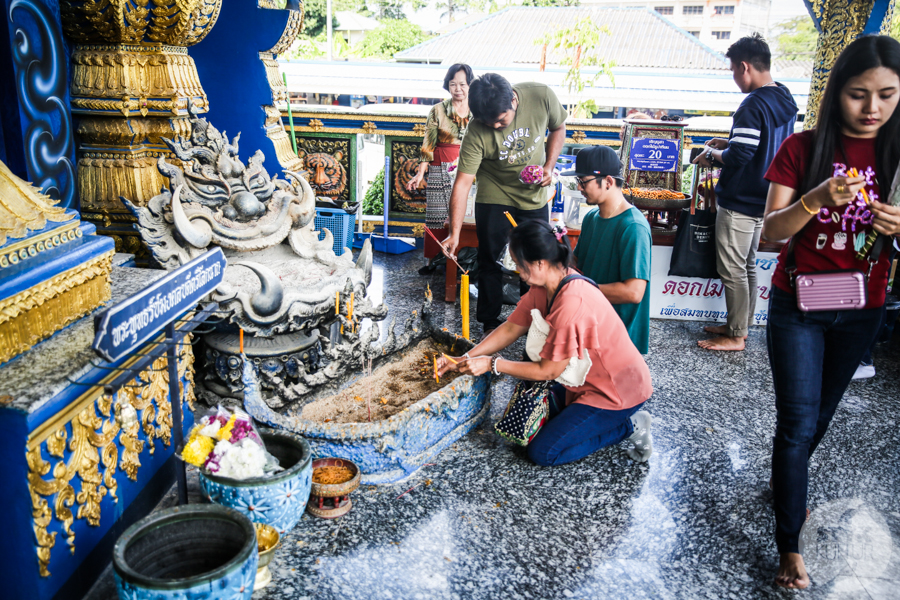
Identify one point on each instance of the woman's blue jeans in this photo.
(575, 431)
(813, 357)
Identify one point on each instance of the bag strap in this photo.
(562, 283)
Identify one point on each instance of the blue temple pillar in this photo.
(37, 142)
(247, 39)
(840, 22)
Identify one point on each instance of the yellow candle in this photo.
(464, 303)
(337, 303)
(242, 340)
(435, 370)
(510, 217)
(350, 315)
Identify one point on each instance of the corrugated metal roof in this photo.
(639, 37)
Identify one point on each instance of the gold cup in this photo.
(267, 540)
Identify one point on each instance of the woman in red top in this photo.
(816, 196)
(605, 408)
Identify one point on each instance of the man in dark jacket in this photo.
(763, 120)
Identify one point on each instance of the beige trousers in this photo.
(737, 238)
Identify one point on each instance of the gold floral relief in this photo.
(103, 433)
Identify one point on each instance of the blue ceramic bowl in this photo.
(278, 500)
(195, 552)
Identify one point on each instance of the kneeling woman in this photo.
(605, 408)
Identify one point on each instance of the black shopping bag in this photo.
(694, 251)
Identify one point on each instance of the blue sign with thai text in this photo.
(120, 330)
(651, 154)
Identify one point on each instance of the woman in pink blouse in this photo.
(605, 409)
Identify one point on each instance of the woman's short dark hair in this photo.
(452, 71)
(866, 52)
(534, 240)
(751, 49)
(490, 95)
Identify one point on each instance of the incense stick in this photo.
(428, 231)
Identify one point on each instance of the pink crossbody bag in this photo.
(831, 290)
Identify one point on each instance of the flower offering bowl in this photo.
(338, 494)
(277, 499)
(267, 540)
(187, 553)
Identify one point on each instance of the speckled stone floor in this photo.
(481, 522)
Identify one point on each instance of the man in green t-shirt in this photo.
(614, 246)
(508, 132)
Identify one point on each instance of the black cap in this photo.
(596, 160)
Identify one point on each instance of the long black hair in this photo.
(867, 52)
(536, 240)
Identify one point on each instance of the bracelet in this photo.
(806, 208)
(494, 360)
(466, 356)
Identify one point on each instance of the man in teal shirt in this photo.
(614, 246)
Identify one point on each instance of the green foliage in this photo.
(390, 37)
(687, 179)
(796, 39)
(373, 201)
(314, 18)
(452, 8)
(578, 46)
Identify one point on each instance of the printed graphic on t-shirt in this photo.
(518, 146)
(856, 216)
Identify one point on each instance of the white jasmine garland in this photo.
(212, 429)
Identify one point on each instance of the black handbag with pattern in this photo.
(526, 413)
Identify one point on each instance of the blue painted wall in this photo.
(234, 78)
(34, 98)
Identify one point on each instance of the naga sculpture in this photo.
(282, 283)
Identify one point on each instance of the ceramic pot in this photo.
(278, 500)
(194, 552)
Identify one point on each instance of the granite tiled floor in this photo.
(696, 521)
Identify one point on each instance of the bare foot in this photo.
(723, 343)
(792, 572)
(718, 330)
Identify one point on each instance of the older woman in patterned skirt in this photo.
(444, 132)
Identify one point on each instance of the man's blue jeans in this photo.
(575, 431)
(813, 357)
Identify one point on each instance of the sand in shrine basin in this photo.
(390, 388)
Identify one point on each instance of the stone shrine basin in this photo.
(392, 448)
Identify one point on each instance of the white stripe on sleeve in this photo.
(745, 131)
(744, 140)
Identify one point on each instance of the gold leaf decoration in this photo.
(89, 448)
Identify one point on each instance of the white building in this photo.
(716, 23)
(353, 26)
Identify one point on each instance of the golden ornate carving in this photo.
(131, 77)
(24, 208)
(841, 23)
(578, 136)
(40, 311)
(291, 31)
(13, 253)
(369, 127)
(89, 428)
(419, 129)
(273, 75)
(175, 22)
(316, 125)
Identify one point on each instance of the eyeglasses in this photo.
(673, 118)
(584, 180)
